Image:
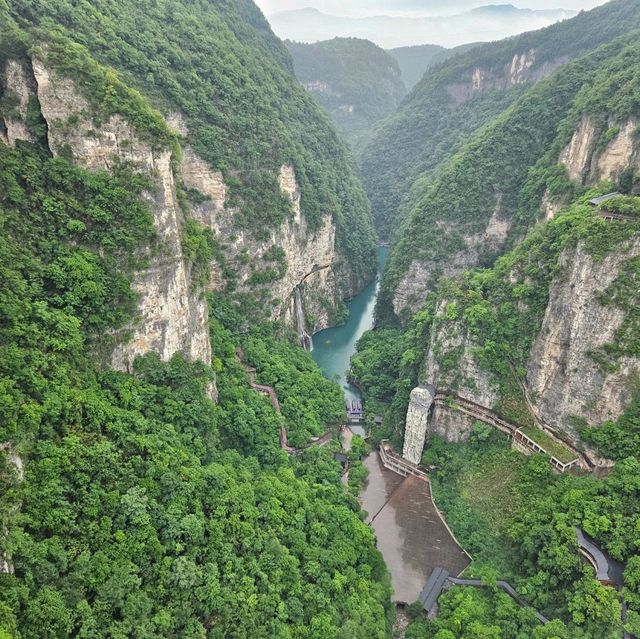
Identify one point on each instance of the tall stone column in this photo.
(420, 403)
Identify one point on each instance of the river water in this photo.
(410, 534)
(333, 347)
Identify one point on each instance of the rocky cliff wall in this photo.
(564, 379)
(522, 68)
(172, 316)
(421, 277)
(595, 154)
(310, 257)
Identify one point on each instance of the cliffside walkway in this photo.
(440, 578)
(454, 401)
(608, 570)
(270, 392)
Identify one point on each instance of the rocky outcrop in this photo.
(576, 156)
(172, 317)
(310, 256)
(421, 276)
(522, 68)
(420, 403)
(622, 151)
(13, 472)
(563, 378)
(588, 161)
(451, 366)
(18, 87)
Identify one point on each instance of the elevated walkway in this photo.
(453, 401)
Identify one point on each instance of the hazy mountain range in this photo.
(490, 22)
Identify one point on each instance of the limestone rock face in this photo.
(450, 340)
(19, 88)
(588, 164)
(564, 380)
(420, 404)
(310, 257)
(172, 316)
(576, 156)
(421, 276)
(621, 152)
(521, 69)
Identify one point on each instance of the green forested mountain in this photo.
(131, 503)
(466, 92)
(489, 192)
(414, 61)
(356, 81)
(220, 67)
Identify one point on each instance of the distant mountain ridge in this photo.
(357, 82)
(489, 22)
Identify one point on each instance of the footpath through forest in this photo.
(270, 392)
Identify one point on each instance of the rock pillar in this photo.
(420, 404)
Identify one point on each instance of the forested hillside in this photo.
(227, 84)
(357, 82)
(484, 197)
(156, 500)
(458, 97)
(479, 335)
(414, 61)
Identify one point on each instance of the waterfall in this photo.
(305, 338)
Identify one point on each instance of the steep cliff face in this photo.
(308, 258)
(451, 366)
(520, 70)
(589, 158)
(421, 276)
(172, 316)
(564, 378)
(546, 337)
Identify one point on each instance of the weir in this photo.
(305, 338)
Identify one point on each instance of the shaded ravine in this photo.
(333, 347)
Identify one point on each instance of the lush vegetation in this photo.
(219, 66)
(516, 518)
(442, 111)
(357, 82)
(132, 505)
(508, 165)
(145, 509)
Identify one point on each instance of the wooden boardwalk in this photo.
(454, 401)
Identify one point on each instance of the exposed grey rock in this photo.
(563, 379)
(172, 316)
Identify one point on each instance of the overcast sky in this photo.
(395, 23)
(422, 7)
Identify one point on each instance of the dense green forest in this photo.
(147, 510)
(132, 505)
(357, 82)
(510, 512)
(416, 60)
(432, 124)
(508, 164)
(219, 65)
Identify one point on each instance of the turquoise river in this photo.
(333, 347)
